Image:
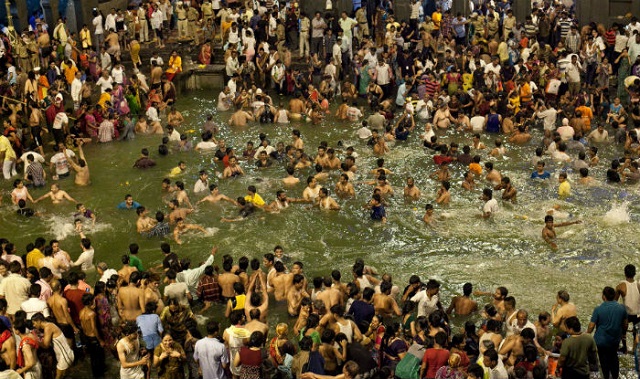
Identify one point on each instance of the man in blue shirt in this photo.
(128, 203)
(610, 321)
(540, 173)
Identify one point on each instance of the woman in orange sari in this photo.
(205, 54)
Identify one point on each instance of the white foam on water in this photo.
(62, 227)
(211, 231)
(618, 214)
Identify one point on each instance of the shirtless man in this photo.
(131, 299)
(521, 136)
(384, 186)
(332, 162)
(324, 201)
(513, 346)
(182, 227)
(60, 309)
(82, 169)
(410, 190)
(493, 175)
(240, 117)
(88, 318)
(549, 232)
(344, 188)
(562, 310)
(227, 279)
(177, 212)
(56, 195)
(443, 196)
(282, 202)
(278, 282)
(125, 272)
(498, 297)
(463, 305)
(233, 169)
(331, 295)
(255, 325)
(509, 192)
(295, 295)
(428, 215)
(297, 140)
(322, 158)
(469, 182)
(312, 191)
(215, 196)
(144, 222)
(152, 293)
(181, 195)
(53, 337)
(297, 106)
(384, 303)
(290, 180)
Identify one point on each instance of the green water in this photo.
(506, 250)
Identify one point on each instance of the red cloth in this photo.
(435, 358)
(26, 341)
(74, 298)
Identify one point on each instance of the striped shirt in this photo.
(531, 30)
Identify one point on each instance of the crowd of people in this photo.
(486, 74)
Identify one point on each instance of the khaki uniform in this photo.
(34, 53)
(478, 26)
(143, 25)
(192, 16)
(305, 26)
(207, 11)
(183, 23)
(507, 25)
(492, 29)
(363, 25)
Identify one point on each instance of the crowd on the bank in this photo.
(484, 73)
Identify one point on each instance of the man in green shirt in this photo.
(578, 354)
(134, 261)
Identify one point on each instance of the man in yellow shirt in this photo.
(7, 157)
(34, 256)
(253, 197)
(178, 169)
(564, 190)
(436, 17)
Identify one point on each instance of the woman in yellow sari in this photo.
(175, 65)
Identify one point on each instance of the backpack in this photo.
(409, 366)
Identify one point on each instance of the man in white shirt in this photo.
(364, 133)
(495, 365)
(548, 115)
(110, 20)
(117, 73)
(428, 299)
(573, 74)
(98, 30)
(34, 305)
(383, 77)
(477, 123)
(202, 184)
(494, 66)
(105, 81)
(76, 90)
(85, 260)
(566, 131)
(491, 205)
(60, 126)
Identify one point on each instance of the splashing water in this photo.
(62, 228)
(618, 214)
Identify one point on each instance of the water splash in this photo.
(618, 214)
(62, 228)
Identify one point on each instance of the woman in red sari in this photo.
(205, 54)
